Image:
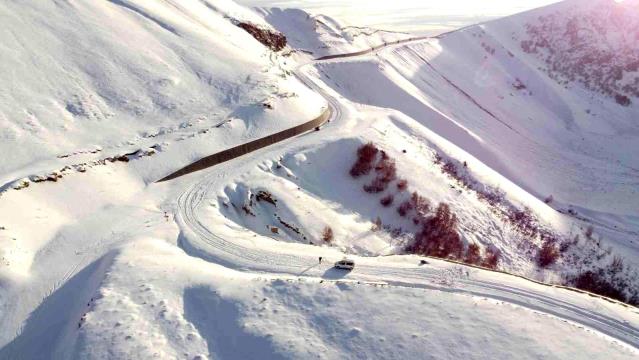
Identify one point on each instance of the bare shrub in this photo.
(492, 196)
(376, 186)
(548, 254)
(386, 171)
(420, 204)
(439, 237)
(523, 220)
(616, 267)
(327, 235)
(595, 282)
(402, 185)
(493, 255)
(622, 100)
(473, 255)
(405, 207)
(377, 224)
(366, 154)
(387, 200)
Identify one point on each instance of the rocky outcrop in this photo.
(274, 40)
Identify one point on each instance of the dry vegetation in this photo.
(437, 234)
(582, 262)
(596, 47)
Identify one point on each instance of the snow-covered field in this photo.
(98, 261)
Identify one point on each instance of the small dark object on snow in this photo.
(272, 39)
(317, 128)
(320, 259)
(345, 264)
(404, 151)
(423, 262)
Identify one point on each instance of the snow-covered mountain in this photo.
(86, 75)
(497, 147)
(562, 141)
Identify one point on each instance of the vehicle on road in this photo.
(345, 264)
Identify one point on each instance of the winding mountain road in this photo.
(199, 239)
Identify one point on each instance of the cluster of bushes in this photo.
(611, 281)
(570, 47)
(385, 173)
(522, 220)
(436, 227)
(436, 233)
(366, 155)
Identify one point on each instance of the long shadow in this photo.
(51, 328)
(335, 274)
(218, 322)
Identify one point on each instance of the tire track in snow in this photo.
(206, 244)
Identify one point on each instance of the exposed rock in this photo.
(272, 39)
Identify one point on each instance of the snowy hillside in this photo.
(87, 75)
(480, 89)
(321, 35)
(465, 178)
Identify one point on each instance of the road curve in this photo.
(251, 146)
(199, 240)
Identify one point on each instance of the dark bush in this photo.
(597, 284)
(327, 234)
(420, 204)
(523, 220)
(365, 156)
(376, 186)
(386, 169)
(402, 185)
(473, 255)
(387, 200)
(367, 152)
(491, 195)
(405, 207)
(451, 169)
(439, 237)
(622, 100)
(548, 254)
(492, 258)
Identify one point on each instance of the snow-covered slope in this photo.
(322, 35)
(82, 75)
(560, 140)
(517, 119)
(236, 261)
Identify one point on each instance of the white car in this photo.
(345, 264)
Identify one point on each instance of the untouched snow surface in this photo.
(110, 75)
(321, 35)
(97, 261)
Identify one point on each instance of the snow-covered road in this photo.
(199, 239)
